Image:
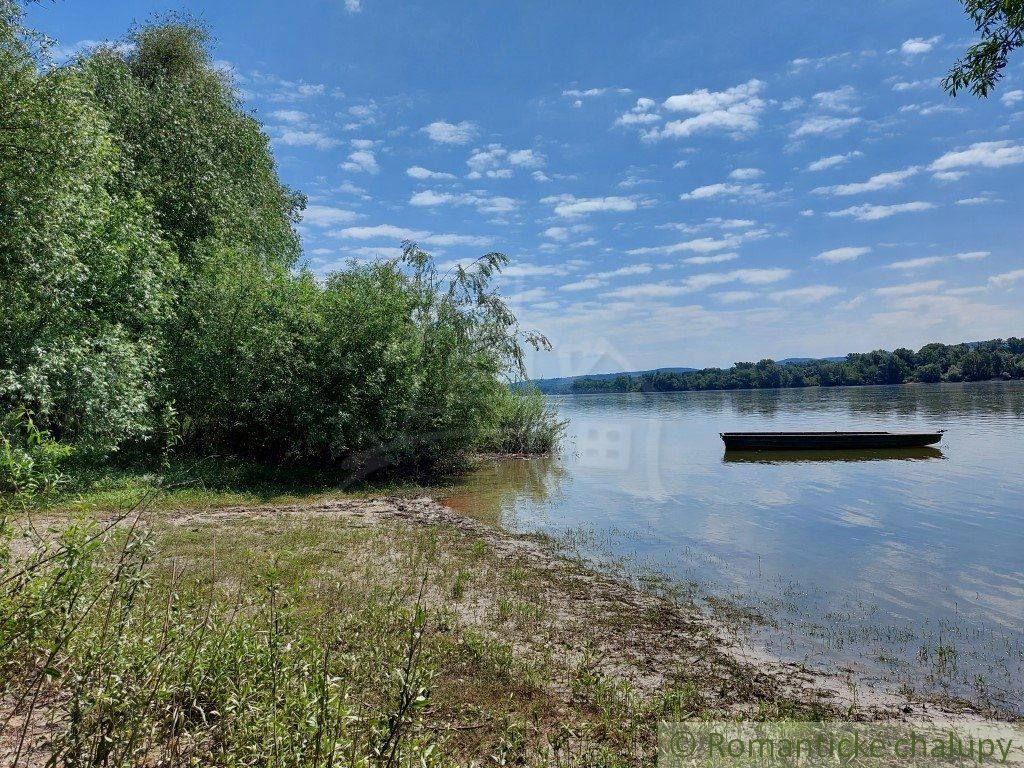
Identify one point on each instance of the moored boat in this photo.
(828, 441)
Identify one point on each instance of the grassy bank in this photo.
(351, 632)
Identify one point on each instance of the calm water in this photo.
(906, 566)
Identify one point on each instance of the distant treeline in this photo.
(996, 359)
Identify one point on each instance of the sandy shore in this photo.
(589, 645)
(639, 637)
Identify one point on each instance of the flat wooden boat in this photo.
(844, 456)
(826, 441)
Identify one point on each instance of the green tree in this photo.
(83, 270)
(1000, 23)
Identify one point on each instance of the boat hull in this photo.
(826, 441)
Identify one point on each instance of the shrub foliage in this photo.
(153, 293)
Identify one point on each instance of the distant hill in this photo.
(998, 359)
(798, 360)
(563, 385)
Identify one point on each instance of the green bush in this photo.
(151, 293)
(30, 461)
(526, 423)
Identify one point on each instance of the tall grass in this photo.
(107, 665)
(526, 423)
(110, 657)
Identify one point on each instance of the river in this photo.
(907, 567)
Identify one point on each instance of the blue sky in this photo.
(674, 187)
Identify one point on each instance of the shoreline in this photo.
(527, 645)
(642, 655)
(786, 389)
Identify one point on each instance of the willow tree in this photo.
(1001, 26)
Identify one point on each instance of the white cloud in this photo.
(562, 234)
(429, 197)
(717, 258)
(985, 154)
(714, 222)
(916, 45)
(908, 289)
(419, 172)
(393, 234)
(875, 212)
(388, 231)
(647, 291)
(837, 255)
(1012, 98)
(361, 160)
(733, 297)
(633, 269)
(983, 199)
(583, 285)
(289, 115)
(762, 276)
(482, 202)
(806, 295)
(530, 296)
(839, 100)
(522, 269)
(277, 89)
(929, 108)
(696, 283)
(699, 245)
(746, 174)
(903, 85)
(353, 6)
(832, 161)
(361, 115)
(310, 138)
(822, 124)
(1006, 279)
(642, 113)
(526, 158)
(601, 278)
(497, 162)
(750, 191)
(570, 207)
(348, 188)
(876, 183)
(909, 265)
(452, 241)
(326, 216)
(451, 133)
(734, 111)
(577, 93)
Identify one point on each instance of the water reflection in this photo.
(933, 402)
(898, 543)
(496, 489)
(797, 457)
